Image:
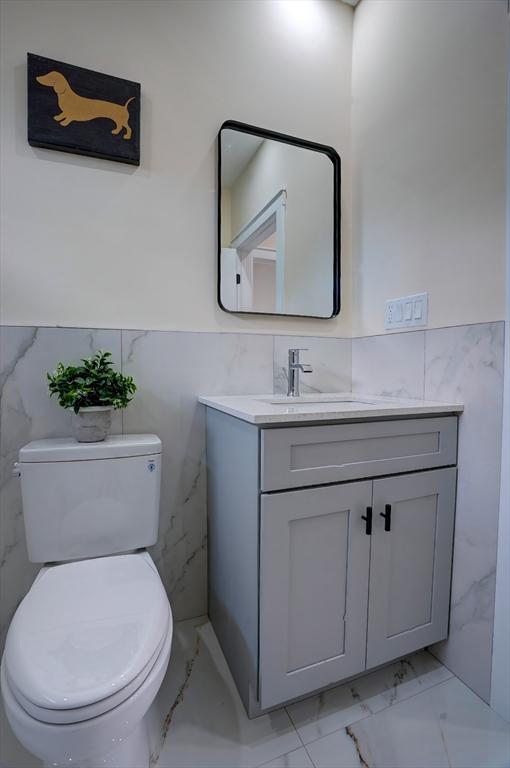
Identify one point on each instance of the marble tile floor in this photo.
(411, 714)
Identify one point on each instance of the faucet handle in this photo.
(294, 361)
(294, 353)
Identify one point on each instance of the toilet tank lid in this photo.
(69, 449)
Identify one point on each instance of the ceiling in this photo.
(237, 149)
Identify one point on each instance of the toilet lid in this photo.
(86, 630)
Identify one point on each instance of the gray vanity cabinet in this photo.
(314, 563)
(302, 594)
(315, 592)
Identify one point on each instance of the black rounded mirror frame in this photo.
(304, 144)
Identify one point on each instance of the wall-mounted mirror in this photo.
(278, 224)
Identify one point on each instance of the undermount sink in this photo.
(313, 400)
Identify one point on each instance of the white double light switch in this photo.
(406, 312)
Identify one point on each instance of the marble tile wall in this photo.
(466, 364)
(171, 369)
(458, 364)
(389, 365)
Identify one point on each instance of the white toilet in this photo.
(88, 647)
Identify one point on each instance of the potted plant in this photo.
(91, 390)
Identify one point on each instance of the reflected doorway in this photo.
(253, 266)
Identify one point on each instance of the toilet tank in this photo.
(85, 500)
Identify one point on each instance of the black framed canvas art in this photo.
(77, 110)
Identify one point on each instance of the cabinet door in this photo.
(410, 564)
(314, 562)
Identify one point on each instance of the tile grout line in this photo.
(452, 674)
(401, 332)
(283, 754)
(288, 752)
(294, 726)
(243, 332)
(309, 755)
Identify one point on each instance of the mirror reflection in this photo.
(278, 224)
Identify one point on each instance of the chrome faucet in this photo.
(293, 371)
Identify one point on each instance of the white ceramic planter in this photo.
(91, 424)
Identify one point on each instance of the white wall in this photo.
(92, 243)
(429, 147)
(500, 688)
(87, 242)
(307, 178)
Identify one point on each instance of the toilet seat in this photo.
(86, 637)
(80, 714)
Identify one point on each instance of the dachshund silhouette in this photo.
(80, 109)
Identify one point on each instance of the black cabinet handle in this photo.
(368, 521)
(387, 517)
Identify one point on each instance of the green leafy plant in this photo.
(94, 383)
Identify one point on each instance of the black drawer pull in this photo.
(368, 521)
(387, 517)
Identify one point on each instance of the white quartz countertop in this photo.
(333, 406)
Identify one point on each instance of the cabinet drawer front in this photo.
(303, 456)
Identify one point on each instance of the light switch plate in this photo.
(406, 312)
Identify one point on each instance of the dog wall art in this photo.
(77, 110)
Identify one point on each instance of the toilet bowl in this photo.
(89, 645)
(85, 656)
